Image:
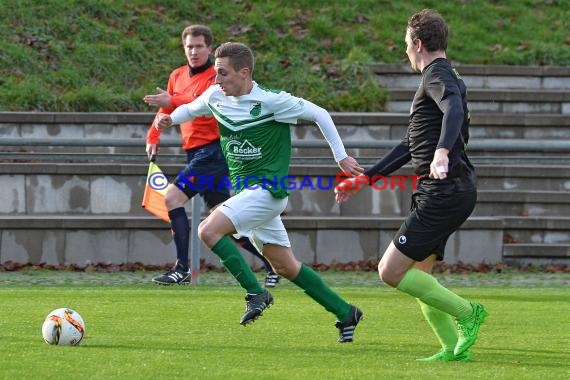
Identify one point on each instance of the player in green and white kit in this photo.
(256, 141)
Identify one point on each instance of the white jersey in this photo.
(239, 112)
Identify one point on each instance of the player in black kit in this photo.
(446, 193)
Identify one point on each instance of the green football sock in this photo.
(315, 287)
(442, 325)
(231, 258)
(424, 286)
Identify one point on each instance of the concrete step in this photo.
(536, 254)
(483, 76)
(523, 177)
(101, 133)
(522, 203)
(537, 230)
(80, 240)
(492, 88)
(366, 157)
(93, 188)
(108, 239)
(497, 100)
(537, 250)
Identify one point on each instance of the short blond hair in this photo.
(240, 55)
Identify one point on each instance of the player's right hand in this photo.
(351, 166)
(161, 99)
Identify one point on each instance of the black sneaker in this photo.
(255, 304)
(271, 280)
(174, 276)
(346, 327)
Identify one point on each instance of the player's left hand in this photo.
(152, 150)
(349, 187)
(351, 166)
(163, 121)
(440, 164)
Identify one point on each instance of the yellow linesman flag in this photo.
(155, 191)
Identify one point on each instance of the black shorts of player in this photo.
(206, 173)
(433, 218)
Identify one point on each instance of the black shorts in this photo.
(206, 173)
(433, 218)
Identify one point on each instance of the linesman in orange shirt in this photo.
(201, 141)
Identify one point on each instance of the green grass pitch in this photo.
(137, 330)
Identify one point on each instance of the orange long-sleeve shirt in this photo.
(183, 88)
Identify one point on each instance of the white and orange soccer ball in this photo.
(63, 327)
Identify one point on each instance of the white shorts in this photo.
(255, 213)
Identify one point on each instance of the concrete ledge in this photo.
(352, 118)
(518, 119)
(545, 222)
(538, 78)
(502, 70)
(483, 170)
(537, 250)
(108, 239)
(522, 203)
(340, 118)
(32, 149)
(81, 168)
(543, 231)
(55, 134)
(291, 222)
(376, 222)
(103, 189)
(111, 239)
(496, 95)
(536, 254)
(77, 117)
(80, 222)
(517, 196)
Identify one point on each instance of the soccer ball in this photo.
(63, 327)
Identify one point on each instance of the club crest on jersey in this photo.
(241, 151)
(255, 111)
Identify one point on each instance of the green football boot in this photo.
(447, 356)
(468, 328)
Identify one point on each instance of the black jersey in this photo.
(439, 118)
